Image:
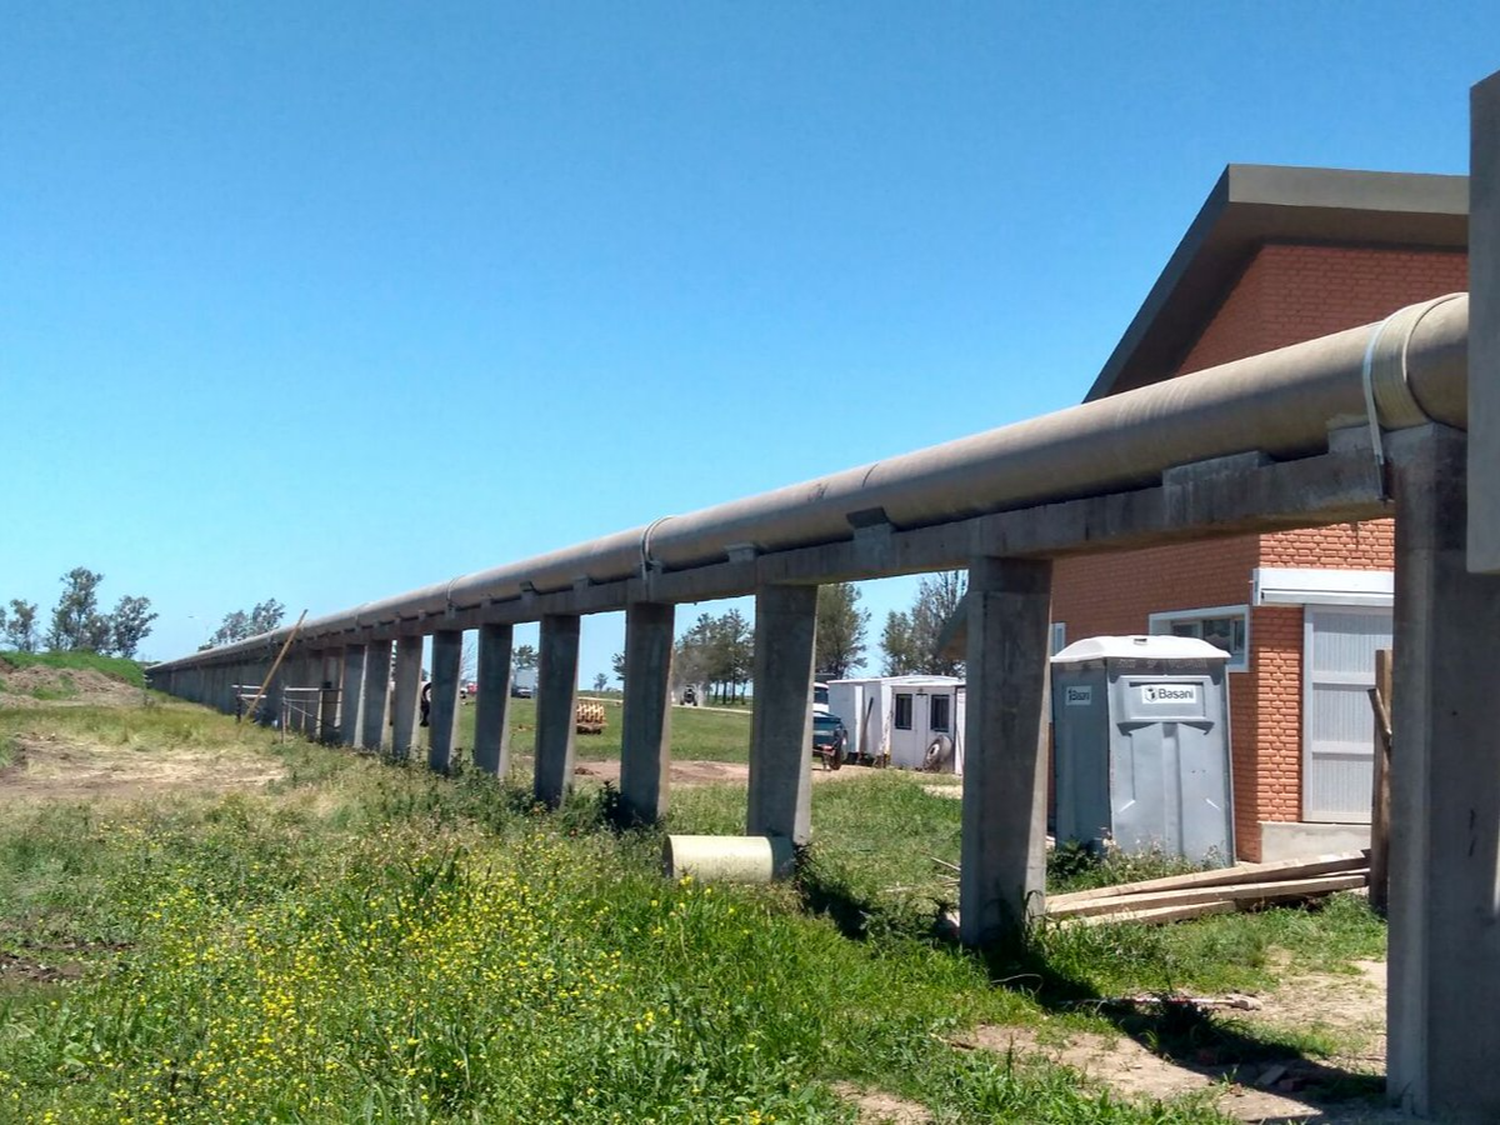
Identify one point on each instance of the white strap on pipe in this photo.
(646, 560)
(1388, 398)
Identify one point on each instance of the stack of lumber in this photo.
(589, 718)
(1222, 891)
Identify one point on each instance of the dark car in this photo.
(830, 739)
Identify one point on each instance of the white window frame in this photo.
(1059, 636)
(1161, 624)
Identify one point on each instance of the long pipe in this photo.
(1407, 369)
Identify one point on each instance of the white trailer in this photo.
(909, 722)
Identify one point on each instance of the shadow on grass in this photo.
(1177, 1029)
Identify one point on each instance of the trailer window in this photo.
(903, 712)
(939, 713)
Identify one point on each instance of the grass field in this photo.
(357, 941)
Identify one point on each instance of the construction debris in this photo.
(1223, 891)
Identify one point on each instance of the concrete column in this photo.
(352, 701)
(309, 673)
(1443, 1014)
(270, 706)
(330, 673)
(404, 707)
(492, 709)
(1003, 865)
(556, 707)
(780, 800)
(1484, 325)
(645, 749)
(376, 693)
(447, 658)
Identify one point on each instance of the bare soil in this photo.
(72, 687)
(688, 774)
(55, 768)
(1348, 1008)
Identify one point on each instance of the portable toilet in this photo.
(1141, 730)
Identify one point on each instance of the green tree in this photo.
(618, 663)
(841, 630)
(266, 616)
(910, 639)
(601, 681)
(129, 625)
(235, 627)
(76, 622)
(20, 626)
(239, 625)
(524, 658)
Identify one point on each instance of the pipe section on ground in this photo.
(728, 859)
(1282, 403)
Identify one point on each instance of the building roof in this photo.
(1253, 204)
(1139, 647)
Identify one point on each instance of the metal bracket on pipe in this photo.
(648, 564)
(742, 552)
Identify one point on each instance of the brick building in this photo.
(1277, 256)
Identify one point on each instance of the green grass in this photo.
(365, 942)
(697, 733)
(115, 667)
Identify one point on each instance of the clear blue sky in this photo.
(324, 302)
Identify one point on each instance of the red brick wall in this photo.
(1290, 293)
(1285, 294)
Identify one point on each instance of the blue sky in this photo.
(326, 302)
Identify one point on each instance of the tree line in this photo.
(77, 625)
(719, 652)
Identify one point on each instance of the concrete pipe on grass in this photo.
(729, 859)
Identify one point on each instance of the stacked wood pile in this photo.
(1222, 891)
(589, 718)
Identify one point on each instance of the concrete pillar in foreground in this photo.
(376, 694)
(556, 706)
(442, 732)
(309, 702)
(492, 709)
(352, 702)
(645, 749)
(780, 799)
(1443, 1002)
(1003, 865)
(404, 707)
(1484, 326)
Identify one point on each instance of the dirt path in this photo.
(690, 773)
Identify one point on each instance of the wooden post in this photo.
(1380, 797)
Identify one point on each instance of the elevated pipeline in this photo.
(1402, 372)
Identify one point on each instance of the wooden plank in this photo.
(1226, 876)
(1380, 796)
(1158, 914)
(1239, 893)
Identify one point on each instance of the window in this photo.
(903, 711)
(1225, 627)
(939, 706)
(1059, 636)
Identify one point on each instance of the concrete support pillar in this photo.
(329, 676)
(492, 709)
(645, 749)
(780, 800)
(1443, 1014)
(404, 707)
(1003, 866)
(376, 694)
(442, 731)
(270, 706)
(352, 699)
(556, 707)
(307, 701)
(1484, 325)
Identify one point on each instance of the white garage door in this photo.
(1338, 729)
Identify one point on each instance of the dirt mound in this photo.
(40, 685)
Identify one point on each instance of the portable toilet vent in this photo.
(1141, 729)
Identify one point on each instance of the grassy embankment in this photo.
(365, 942)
